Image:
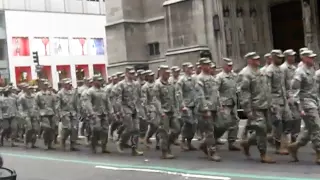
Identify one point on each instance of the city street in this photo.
(39, 164)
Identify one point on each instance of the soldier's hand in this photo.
(163, 115)
(302, 113)
(250, 115)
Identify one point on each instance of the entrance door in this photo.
(287, 25)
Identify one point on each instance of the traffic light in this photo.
(35, 57)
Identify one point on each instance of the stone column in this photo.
(310, 24)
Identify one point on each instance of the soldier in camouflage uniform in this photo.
(30, 113)
(8, 116)
(68, 108)
(226, 82)
(300, 51)
(127, 91)
(45, 100)
(152, 117)
(254, 101)
(97, 105)
(208, 105)
(114, 123)
(169, 126)
(186, 96)
(142, 117)
(304, 87)
(279, 109)
(289, 68)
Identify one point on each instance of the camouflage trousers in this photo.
(312, 132)
(99, 126)
(281, 120)
(9, 128)
(131, 131)
(258, 124)
(208, 122)
(168, 131)
(189, 124)
(48, 124)
(69, 129)
(32, 129)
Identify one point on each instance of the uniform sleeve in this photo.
(87, 100)
(179, 95)
(245, 93)
(295, 85)
(156, 91)
(201, 102)
(58, 102)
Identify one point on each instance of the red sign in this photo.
(20, 46)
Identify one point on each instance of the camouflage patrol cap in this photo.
(267, 55)
(128, 68)
(204, 61)
(122, 76)
(97, 78)
(163, 67)
(277, 52)
(308, 53)
(140, 71)
(303, 49)
(132, 71)
(186, 64)
(66, 81)
(252, 55)
(151, 74)
(175, 68)
(147, 72)
(227, 61)
(289, 52)
(213, 65)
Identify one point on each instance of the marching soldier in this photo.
(186, 95)
(8, 116)
(97, 105)
(268, 60)
(254, 101)
(46, 103)
(67, 109)
(127, 91)
(30, 113)
(289, 68)
(279, 109)
(208, 105)
(303, 87)
(226, 82)
(169, 126)
(147, 100)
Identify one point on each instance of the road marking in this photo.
(164, 172)
(247, 176)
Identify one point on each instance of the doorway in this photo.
(287, 25)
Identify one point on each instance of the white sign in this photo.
(60, 46)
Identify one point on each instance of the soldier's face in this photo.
(277, 60)
(165, 75)
(308, 61)
(291, 59)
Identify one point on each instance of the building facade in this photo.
(174, 31)
(68, 35)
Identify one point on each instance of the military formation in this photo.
(175, 105)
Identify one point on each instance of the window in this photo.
(154, 49)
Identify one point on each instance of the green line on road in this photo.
(159, 168)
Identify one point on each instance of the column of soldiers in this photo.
(179, 102)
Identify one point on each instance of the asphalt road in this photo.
(39, 164)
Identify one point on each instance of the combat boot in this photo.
(318, 157)
(120, 147)
(190, 146)
(283, 146)
(166, 155)
(183, 146)
(214, 157)
(266, 159)
(219, 142)
(233, 147)
(245, 147)
(203, 148)
(135, 152)
(293, 151)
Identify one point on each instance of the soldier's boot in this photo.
(104, 146)
(283, 150)
(2, 138)
(264, 158)
(167, 155)
(33, 141)
(176, 142)
(135, 152)
(190, 146)
(73, 146)
(219, 142)
(293, 151)
(120, 147)
(214, 157)
(63, 143)
(145, 142)
(245, 147)
(318, 157)
(183, 145)
(203, 148)
(157, 143)
(233, 147)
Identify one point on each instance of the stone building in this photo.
(153, 32)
